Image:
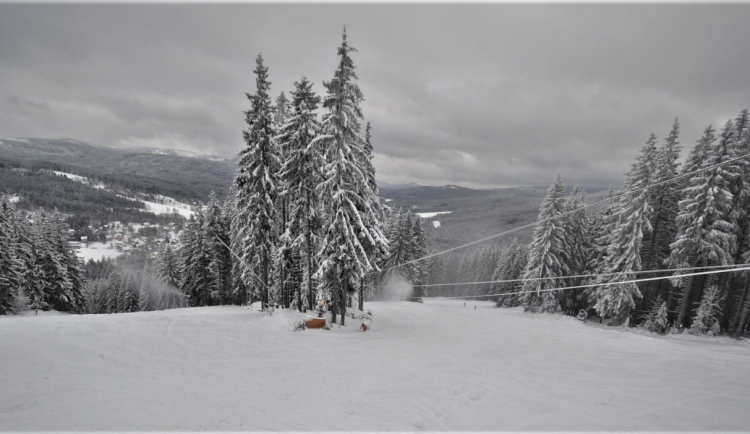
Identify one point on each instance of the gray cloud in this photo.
(479, 95)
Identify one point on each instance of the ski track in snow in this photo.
(437, 366)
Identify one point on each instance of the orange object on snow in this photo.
(365, 327)
(315, 323)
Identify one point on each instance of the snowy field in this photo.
(96, 251)
(435, 367)
(428, 215)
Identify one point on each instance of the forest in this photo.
(303, 222)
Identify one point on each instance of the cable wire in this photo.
(580, 276)
(595, 284)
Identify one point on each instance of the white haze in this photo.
(395, 288)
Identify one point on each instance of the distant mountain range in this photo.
(169, 172)
(190, 177)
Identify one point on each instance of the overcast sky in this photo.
(480, 95)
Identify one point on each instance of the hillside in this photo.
(473, 213)
(146, 170)
(437, 366)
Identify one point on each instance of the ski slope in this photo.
(439, 366)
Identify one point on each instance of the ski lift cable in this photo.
(648, 279)
(532, 224)
(666, 270)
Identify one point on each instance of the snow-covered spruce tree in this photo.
(419, 251)
(216, 237)
(195, 271)
(257, 186)
(11, 269)
(167, 267)
(706, 319)
(281, 111)
(353, 230)
(656, 321)
(511, 266)
(369, 168)
(52, 264)
(614, 300)
(302, 172)
(400, 251)
(664, 200)
(602, 227)
(239, 268)
(73, 268)
(704, 237)
(548, 253)
(578, 238)
(741, 193)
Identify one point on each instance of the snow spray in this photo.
(396, 288)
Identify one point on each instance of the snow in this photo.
(437, 366)
(97, 252)
(160, 208)
(435, 224)
(389, 200)
(427, 215)
(14, 199)
(71, 176)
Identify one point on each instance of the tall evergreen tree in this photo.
(167, 267)
(302, 172)
(614, 299)
(353, 231)
(664, 202)
(705, 237)
(548, 253)
(11, 278)
(257, 184)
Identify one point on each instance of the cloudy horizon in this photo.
(487, 95)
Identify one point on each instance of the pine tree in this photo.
(741, 196)
(548, 253)
(419, 251)
(706, 315)
(705, 237)
(353, 230)
(216, 237)
(614, 299)
(664, 201)
(257, 184)
(367, 163)
(577, 233)
(301, 173)
(167, 267)
(657, 318)
(11, 278)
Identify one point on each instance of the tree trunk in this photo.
(334, 295)
(743, 314)
(264, 289)
(738, 313)
(362, 295)
(342, 298)
(686, 296)
(308, 242)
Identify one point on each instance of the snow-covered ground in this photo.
(437, 366)
(427, 215)
(435, 224)
(97, 251)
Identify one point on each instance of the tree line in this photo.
(39, 268)
(700, 220)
